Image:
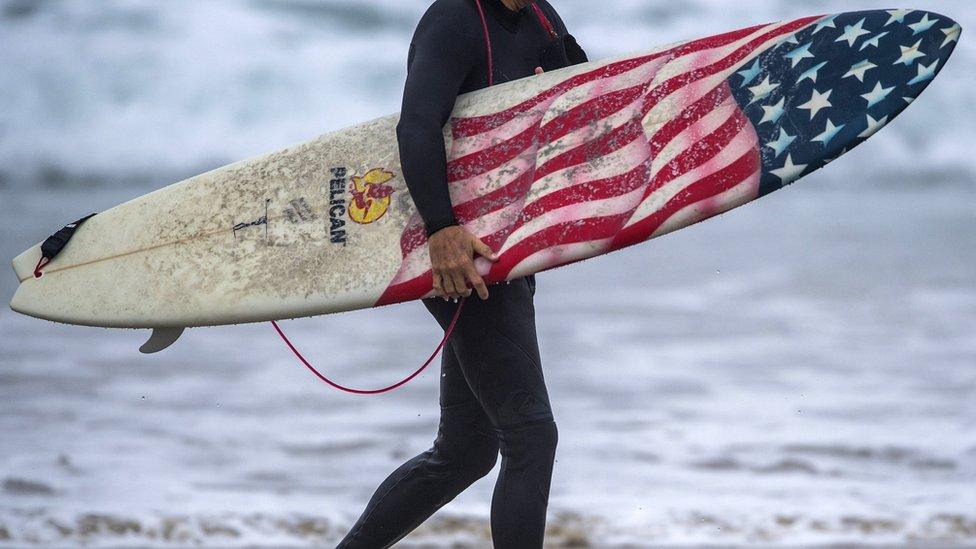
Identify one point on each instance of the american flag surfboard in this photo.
(548, 170)
(640, 147)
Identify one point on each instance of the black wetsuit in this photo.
(492, 392)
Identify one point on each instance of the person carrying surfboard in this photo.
(493, 396)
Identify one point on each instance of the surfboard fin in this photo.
(160, 339)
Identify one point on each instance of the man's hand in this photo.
(452, 253)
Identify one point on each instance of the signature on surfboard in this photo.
(263, 220)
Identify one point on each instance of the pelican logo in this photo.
(370, 195)
(337, 206)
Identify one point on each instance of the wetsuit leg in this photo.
(466, 449)
(495, 342)
(493, 396)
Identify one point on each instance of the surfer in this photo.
(493, 396)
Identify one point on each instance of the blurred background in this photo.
(798, 372)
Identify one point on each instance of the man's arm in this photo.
(441, 57)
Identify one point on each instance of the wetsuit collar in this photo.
(508, 18)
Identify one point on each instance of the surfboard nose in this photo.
(938, 33)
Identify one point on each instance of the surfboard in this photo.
(548, 170)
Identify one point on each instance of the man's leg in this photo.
(496, 346)
(465, 450)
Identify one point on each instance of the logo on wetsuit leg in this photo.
(370, 195)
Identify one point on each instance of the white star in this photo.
(952, 35)
(853, 32)
(877, 95)
(751, 73)
(812, 73)
(873, 126)
(924, 73)
(923, 25)
(799, 54)
(908, 100)
(817, 102)
(829, 134)
(762, 90)
(910, 54)
(824, 23)
(772, 113)
(781, 144)
(874, 40)
(897, 16)
(790, 172)
(859, 69)
(793, 39)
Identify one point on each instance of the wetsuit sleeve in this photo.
(441, 57)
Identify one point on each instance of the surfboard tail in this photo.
(25, 263)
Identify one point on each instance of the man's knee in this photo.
(467, 458)
(535, 441)
(481, 456)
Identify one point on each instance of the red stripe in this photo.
(496, 199)
(485, 160)
(701, 152)
(684, 79)
(415, 288)
(470, 126)
(714, 184)
(586, 152)
(689, 117)
(587, 191)
(569, 232)
(582, 115)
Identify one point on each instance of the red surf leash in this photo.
(447, 334)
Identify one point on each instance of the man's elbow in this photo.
(411, 131)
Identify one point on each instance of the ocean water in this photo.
(798, 372)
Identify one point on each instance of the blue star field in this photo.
(832, 85)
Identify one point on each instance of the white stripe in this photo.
(590, 132)
(477, 186)
(602, 86)
(573, 212)
(618, 162)
(553, 107)
(694, 61)
(742, 143)
(463, 146)
(414, 265)
(559, 255)
(693, 134)
(680, 99)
